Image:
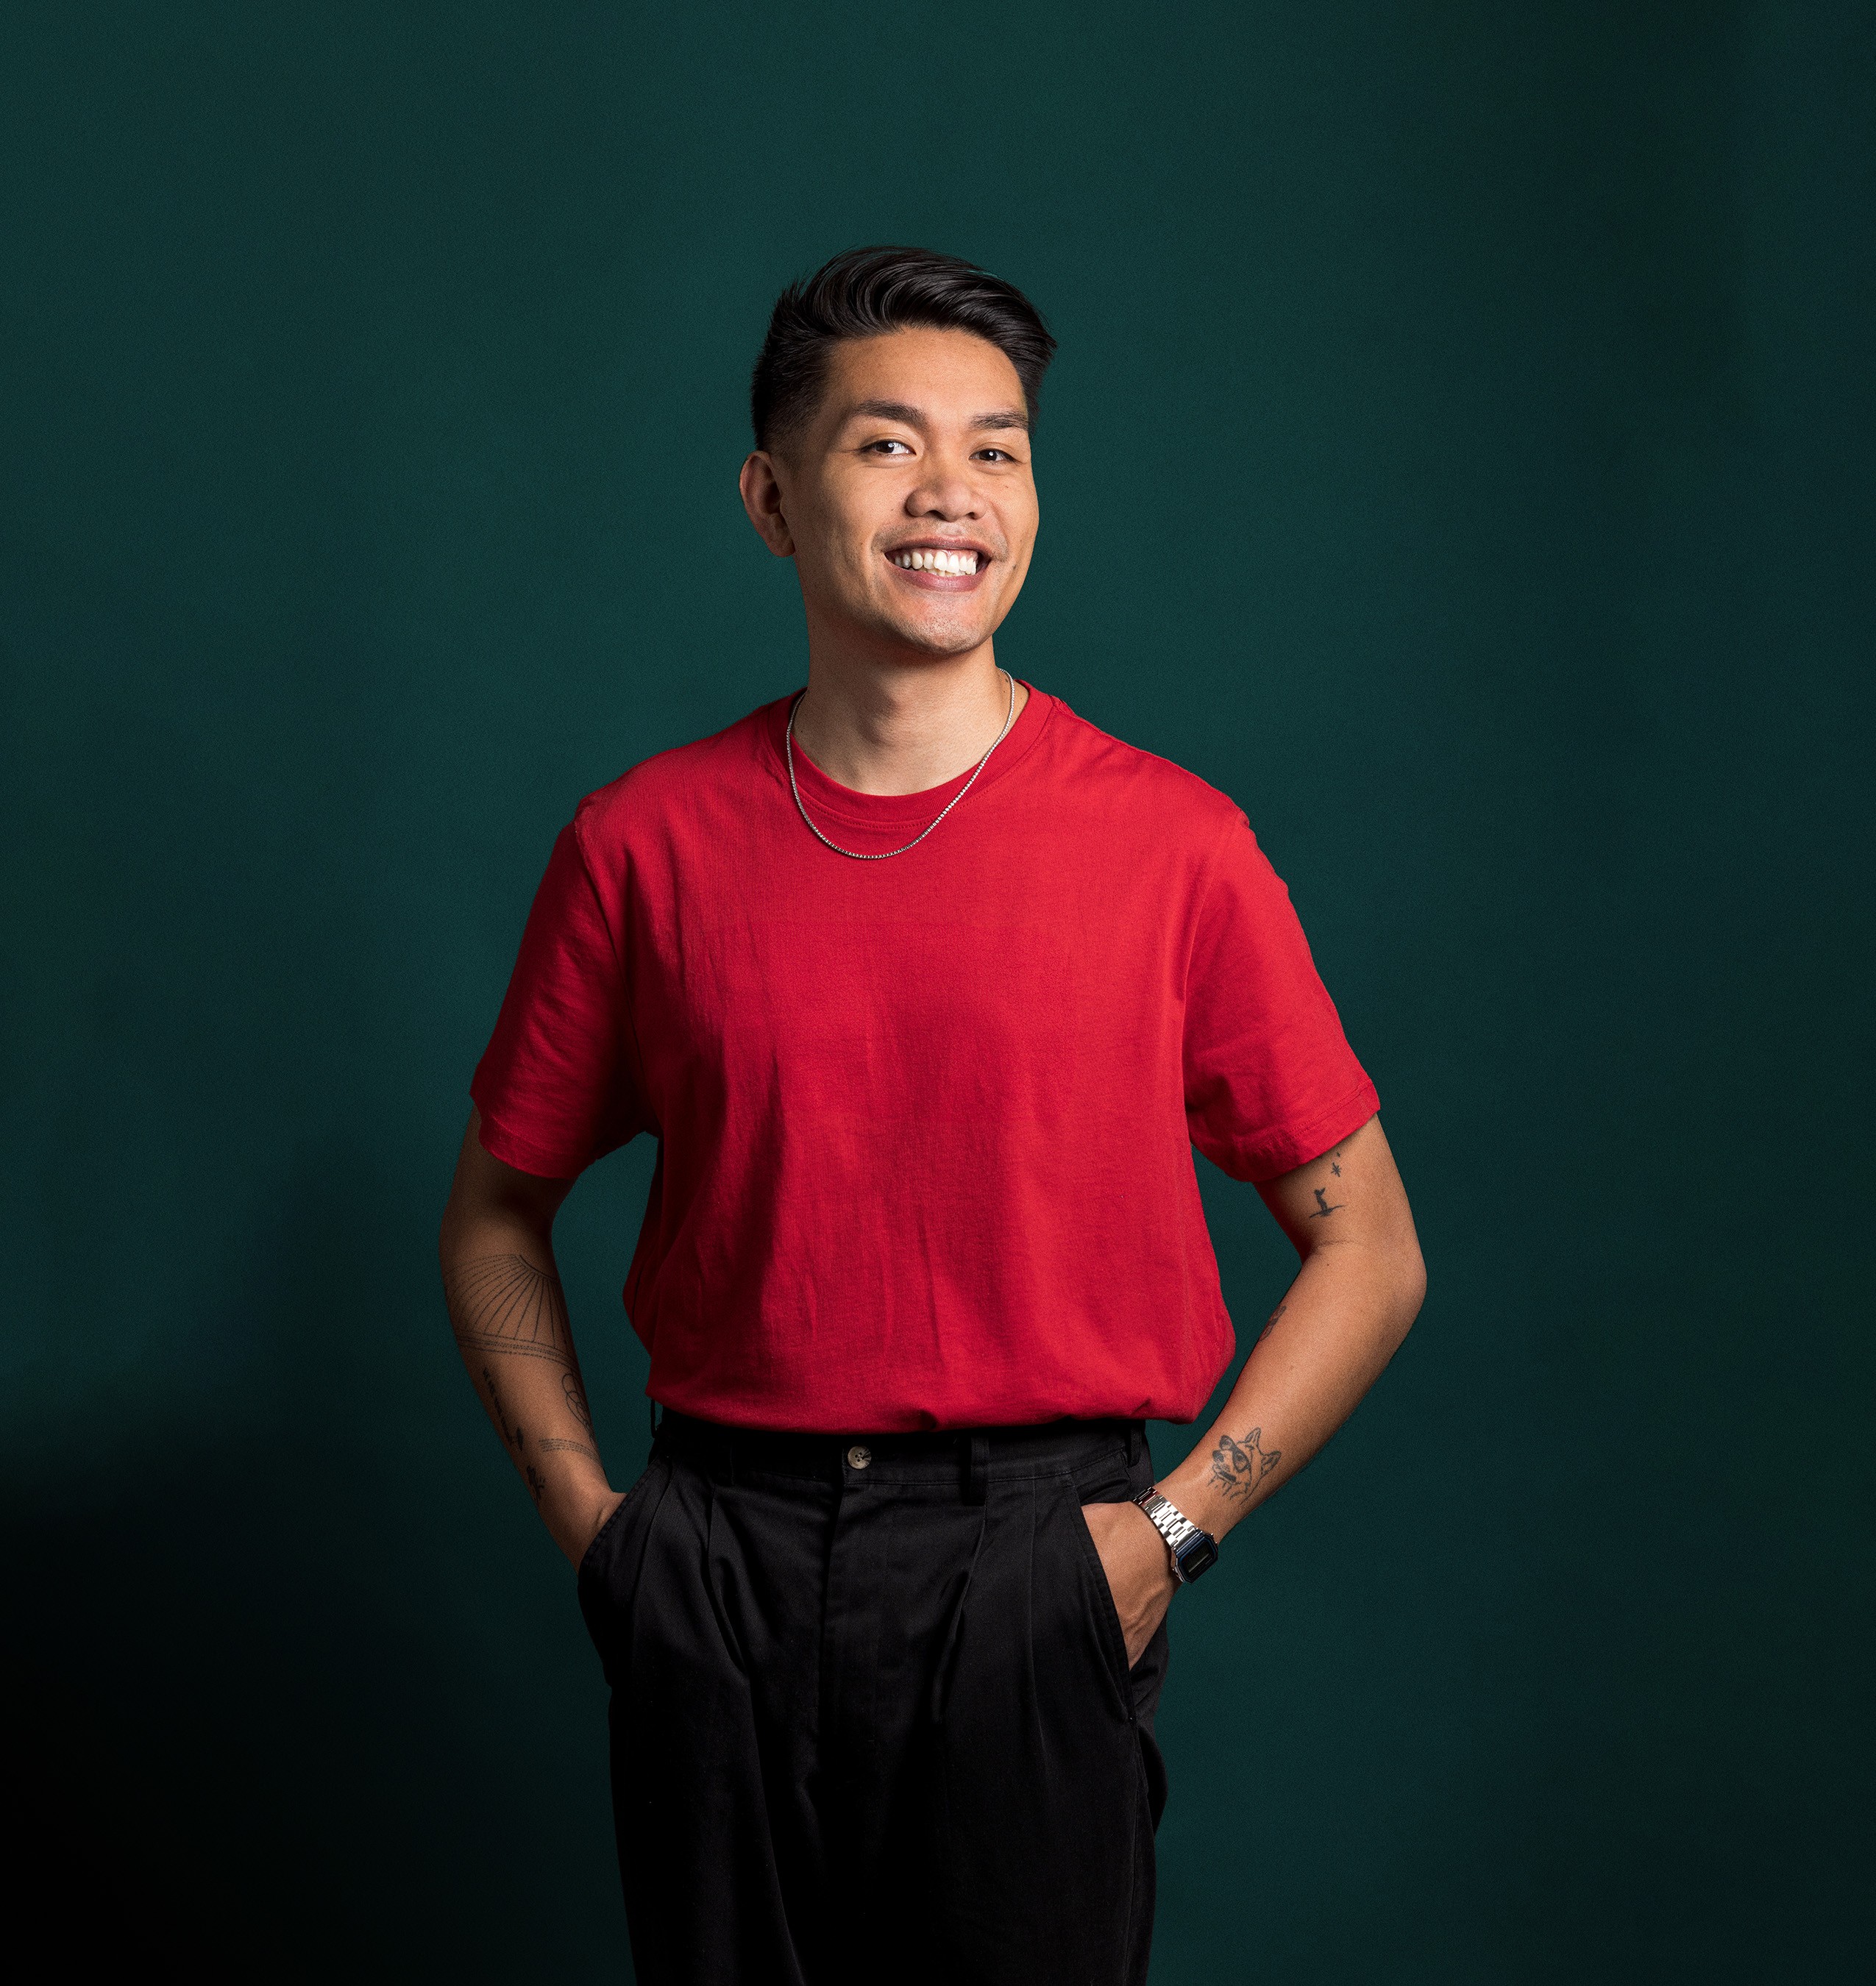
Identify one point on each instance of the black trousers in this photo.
(871, 1708)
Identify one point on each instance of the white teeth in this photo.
(958, 565)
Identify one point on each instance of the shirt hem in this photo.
(512, 1149)
(798, 1418)
(1269, 1158)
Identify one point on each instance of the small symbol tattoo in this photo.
(1322, 1204)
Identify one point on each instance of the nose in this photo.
(946, 488)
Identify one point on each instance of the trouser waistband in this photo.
(969, 1455)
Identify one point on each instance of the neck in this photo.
(901, 726)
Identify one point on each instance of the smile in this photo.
(941, 564)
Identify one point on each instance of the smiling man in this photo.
(926, 988)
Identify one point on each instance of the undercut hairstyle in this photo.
(867, 291)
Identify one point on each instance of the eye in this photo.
(995, 455)
(885, 444)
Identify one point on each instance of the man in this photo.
(926, 989)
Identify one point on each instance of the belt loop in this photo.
(1136, 1442)
(977, 1475)
(651, 1415)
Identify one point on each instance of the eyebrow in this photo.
(913, 417)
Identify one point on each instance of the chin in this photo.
(944, 637)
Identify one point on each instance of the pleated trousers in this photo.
(871, 1708)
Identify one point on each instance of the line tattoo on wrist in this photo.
(1238, 1467)
(570, 1447)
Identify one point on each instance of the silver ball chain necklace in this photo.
(788, 742)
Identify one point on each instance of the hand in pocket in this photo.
(1139, 1570)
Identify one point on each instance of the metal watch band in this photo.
(1177, 1530)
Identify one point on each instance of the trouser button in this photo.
(858, 1458)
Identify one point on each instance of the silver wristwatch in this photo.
(1194, 1551)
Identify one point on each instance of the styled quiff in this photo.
(867, 291)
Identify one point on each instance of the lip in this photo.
(941, 582)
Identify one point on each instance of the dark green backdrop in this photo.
(1460, 453)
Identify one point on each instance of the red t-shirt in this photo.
(924, 1125)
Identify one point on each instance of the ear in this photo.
(761, 498)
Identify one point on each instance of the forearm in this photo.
(1324, 1346)
(510, 1318)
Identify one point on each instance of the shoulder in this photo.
(674, 789)
(1113, 773)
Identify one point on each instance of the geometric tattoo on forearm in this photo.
(503, 1306)
(503, 1302)
(1238, 1468)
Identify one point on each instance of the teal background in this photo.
(1460, 452)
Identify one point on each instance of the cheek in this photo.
(849, 546)
(835, 550)
(1021, 550)
(861, 563)
(1019, 524)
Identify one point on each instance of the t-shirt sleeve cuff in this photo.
(524, 1153)
(1274, 1153)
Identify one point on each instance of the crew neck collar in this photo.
(825, 796)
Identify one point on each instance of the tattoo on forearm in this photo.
(1238, 1468)
(503, 1306)
(512, 1435)
(1270, 1323)
(503, 1302)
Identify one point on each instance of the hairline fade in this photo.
(867, 292)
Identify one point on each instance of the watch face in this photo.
(1197, 1555)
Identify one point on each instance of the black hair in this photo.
(868, 290)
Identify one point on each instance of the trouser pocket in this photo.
(1105, 1613)
(1038, 1747)
(613, 1563)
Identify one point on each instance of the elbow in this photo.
(1409, 1287)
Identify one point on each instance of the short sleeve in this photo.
(557, 1087)
(1271, 1082)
